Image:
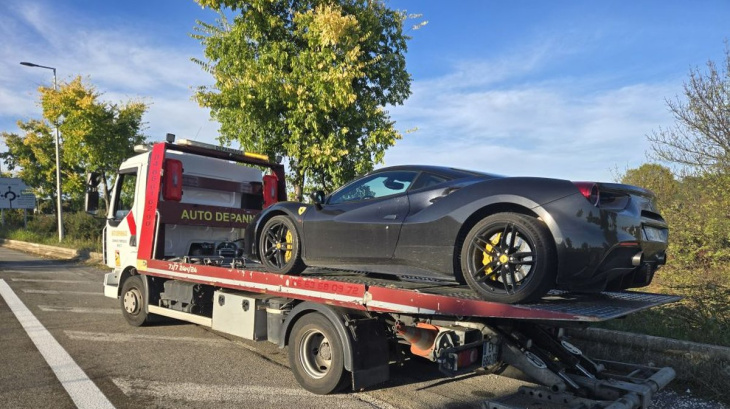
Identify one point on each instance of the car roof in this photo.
(452, 173)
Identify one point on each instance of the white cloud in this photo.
(566, 128)
(123, 61)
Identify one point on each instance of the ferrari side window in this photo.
(378, 185)
(428, 179)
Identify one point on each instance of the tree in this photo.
(33, 154)
(97, 137)
(700, 139)
(308, 80)
(657, 178)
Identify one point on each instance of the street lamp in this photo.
(58, 155)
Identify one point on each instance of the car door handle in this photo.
(390, 217)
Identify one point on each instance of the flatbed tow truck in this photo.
(177, 256)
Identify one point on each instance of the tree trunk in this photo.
(298, 182)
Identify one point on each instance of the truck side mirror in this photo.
(91, 200)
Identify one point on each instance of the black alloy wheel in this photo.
(509, 258)
(279, 246)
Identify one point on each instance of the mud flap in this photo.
(370, 353)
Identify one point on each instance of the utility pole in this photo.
(58, 154)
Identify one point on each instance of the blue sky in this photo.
(566, 89)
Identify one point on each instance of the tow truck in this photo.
(173, 239)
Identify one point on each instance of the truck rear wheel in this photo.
(134, 301)
(316, 355)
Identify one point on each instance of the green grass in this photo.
(703, 315)
(68, 242)
(670, 322)
(50, 238)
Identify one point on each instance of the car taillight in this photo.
(589, 190)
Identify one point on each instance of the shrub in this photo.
(82, 226)
(13, 218)
(43, 224)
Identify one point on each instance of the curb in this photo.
(673, 347)
(56, 252)
(696, 364)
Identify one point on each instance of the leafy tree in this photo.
(97, 137)
(308, 80)
(700, 139)
(657, 178)
(33, 155)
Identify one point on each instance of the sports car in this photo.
(511, 239)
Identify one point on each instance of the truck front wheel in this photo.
(316, 355)
(134, 302)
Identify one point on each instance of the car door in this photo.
(359, 223)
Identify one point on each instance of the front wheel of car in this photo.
(509, 258)
(280, 247)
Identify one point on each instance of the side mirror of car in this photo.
(317, 198)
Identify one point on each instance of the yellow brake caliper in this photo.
(289, 239)
(487, 258)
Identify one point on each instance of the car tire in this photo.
(509, 258)
(280, 246)
(316, 355)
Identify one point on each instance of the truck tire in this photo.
(134, 302)
(316, 355)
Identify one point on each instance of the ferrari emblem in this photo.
(302, 210)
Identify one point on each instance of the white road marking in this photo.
(126, 338)
(56, 292)
(78, 310)
(43, 280)
(79, 387)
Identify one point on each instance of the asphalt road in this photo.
(88, 351)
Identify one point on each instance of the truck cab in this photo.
(186, 201)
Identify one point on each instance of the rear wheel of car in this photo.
(509, 258)
(279, 246)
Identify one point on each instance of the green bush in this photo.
(13, 218)
(82, 231)
(82, 226)
(43, 224)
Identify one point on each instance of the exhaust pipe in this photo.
(637, 259)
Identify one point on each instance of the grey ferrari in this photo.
(511, 239)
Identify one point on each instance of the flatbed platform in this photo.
(560, 305)
(425, 297)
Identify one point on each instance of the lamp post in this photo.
(58, 155)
